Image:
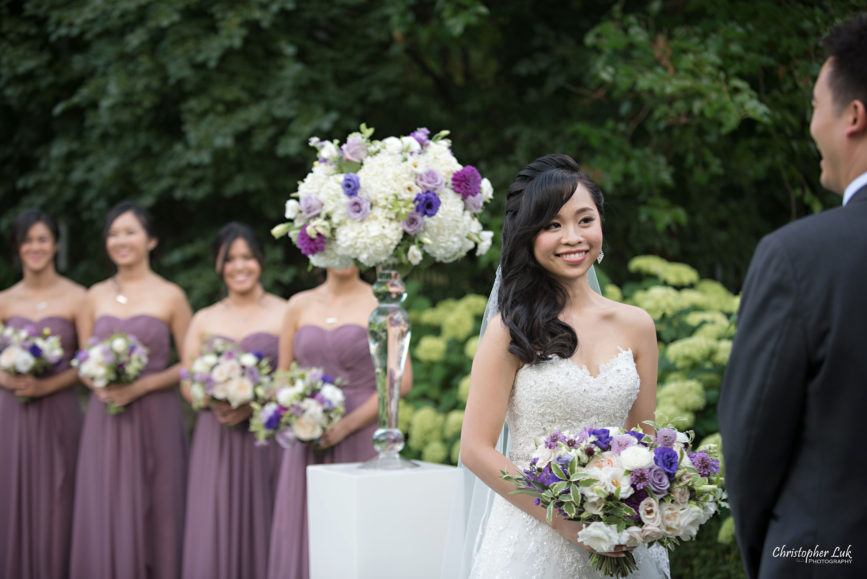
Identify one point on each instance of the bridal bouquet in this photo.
(119, 359)
(402, 198)
(223, 371)
(300, 404)
(629, 488)
(28, 351)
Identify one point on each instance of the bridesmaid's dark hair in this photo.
(141, 214)
(229, 233)
(21, 227)
(530, 300)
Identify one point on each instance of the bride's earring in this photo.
(600, 257)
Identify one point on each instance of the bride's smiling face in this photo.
(568, 245)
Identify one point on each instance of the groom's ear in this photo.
(857, 113)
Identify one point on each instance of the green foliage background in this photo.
(692, 115)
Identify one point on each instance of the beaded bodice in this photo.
(561, 395)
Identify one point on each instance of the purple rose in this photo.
(230, 354)
(427, 203)
(357, 208)
(309, 245)
(603, 438)
(271, 418)
(351, 184)
(474, 203)
(35, 350)
(316, 375)
(422, 135)
(704, 464)
(354, 149)
(638, 436)
(413, 223)
(430, 180)
(666, 459)
(467, 182)
(658, 482)
(666, 437)
(311, 206)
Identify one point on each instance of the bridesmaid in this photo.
(326, 327)
(132, 466)
(40, 437)
(232, 481)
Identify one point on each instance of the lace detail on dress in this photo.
(557, 394)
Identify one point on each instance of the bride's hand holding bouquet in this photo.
(625, 489)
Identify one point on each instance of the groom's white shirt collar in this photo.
(860, 181)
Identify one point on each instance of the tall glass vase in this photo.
(388, 334)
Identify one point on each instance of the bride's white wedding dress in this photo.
(557, 394)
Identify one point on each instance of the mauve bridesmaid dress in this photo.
(132, 475)
(231, 493)
(342, 352)
(38, 451)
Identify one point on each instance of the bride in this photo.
(556, 356)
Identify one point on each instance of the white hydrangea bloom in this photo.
(448, 230)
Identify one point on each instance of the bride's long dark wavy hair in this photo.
(530, 300)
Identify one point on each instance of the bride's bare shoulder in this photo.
(629, 317)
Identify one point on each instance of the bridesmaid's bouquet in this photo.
(28, 351)
(630, 488)
(119, 359)
(368, 201)
(223, 371)
(299, 405)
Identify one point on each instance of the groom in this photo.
(793, 406)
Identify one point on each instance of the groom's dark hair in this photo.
(846, 45)
(530, 300)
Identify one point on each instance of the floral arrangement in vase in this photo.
(400, 200)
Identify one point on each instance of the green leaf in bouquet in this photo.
(555, 468)
(570, 509)
(549, 512)
(587, 482)
(575, 494)
(559, 487)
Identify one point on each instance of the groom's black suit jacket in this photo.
(793, 402)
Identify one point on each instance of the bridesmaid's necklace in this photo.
(119, 297)
(232, 308)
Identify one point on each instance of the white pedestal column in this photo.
(378, 524)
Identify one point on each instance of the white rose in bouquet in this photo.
(306, 429)
(24, 362)
(9, 356)
(600, 537)
(239, 391)
(636, 457)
